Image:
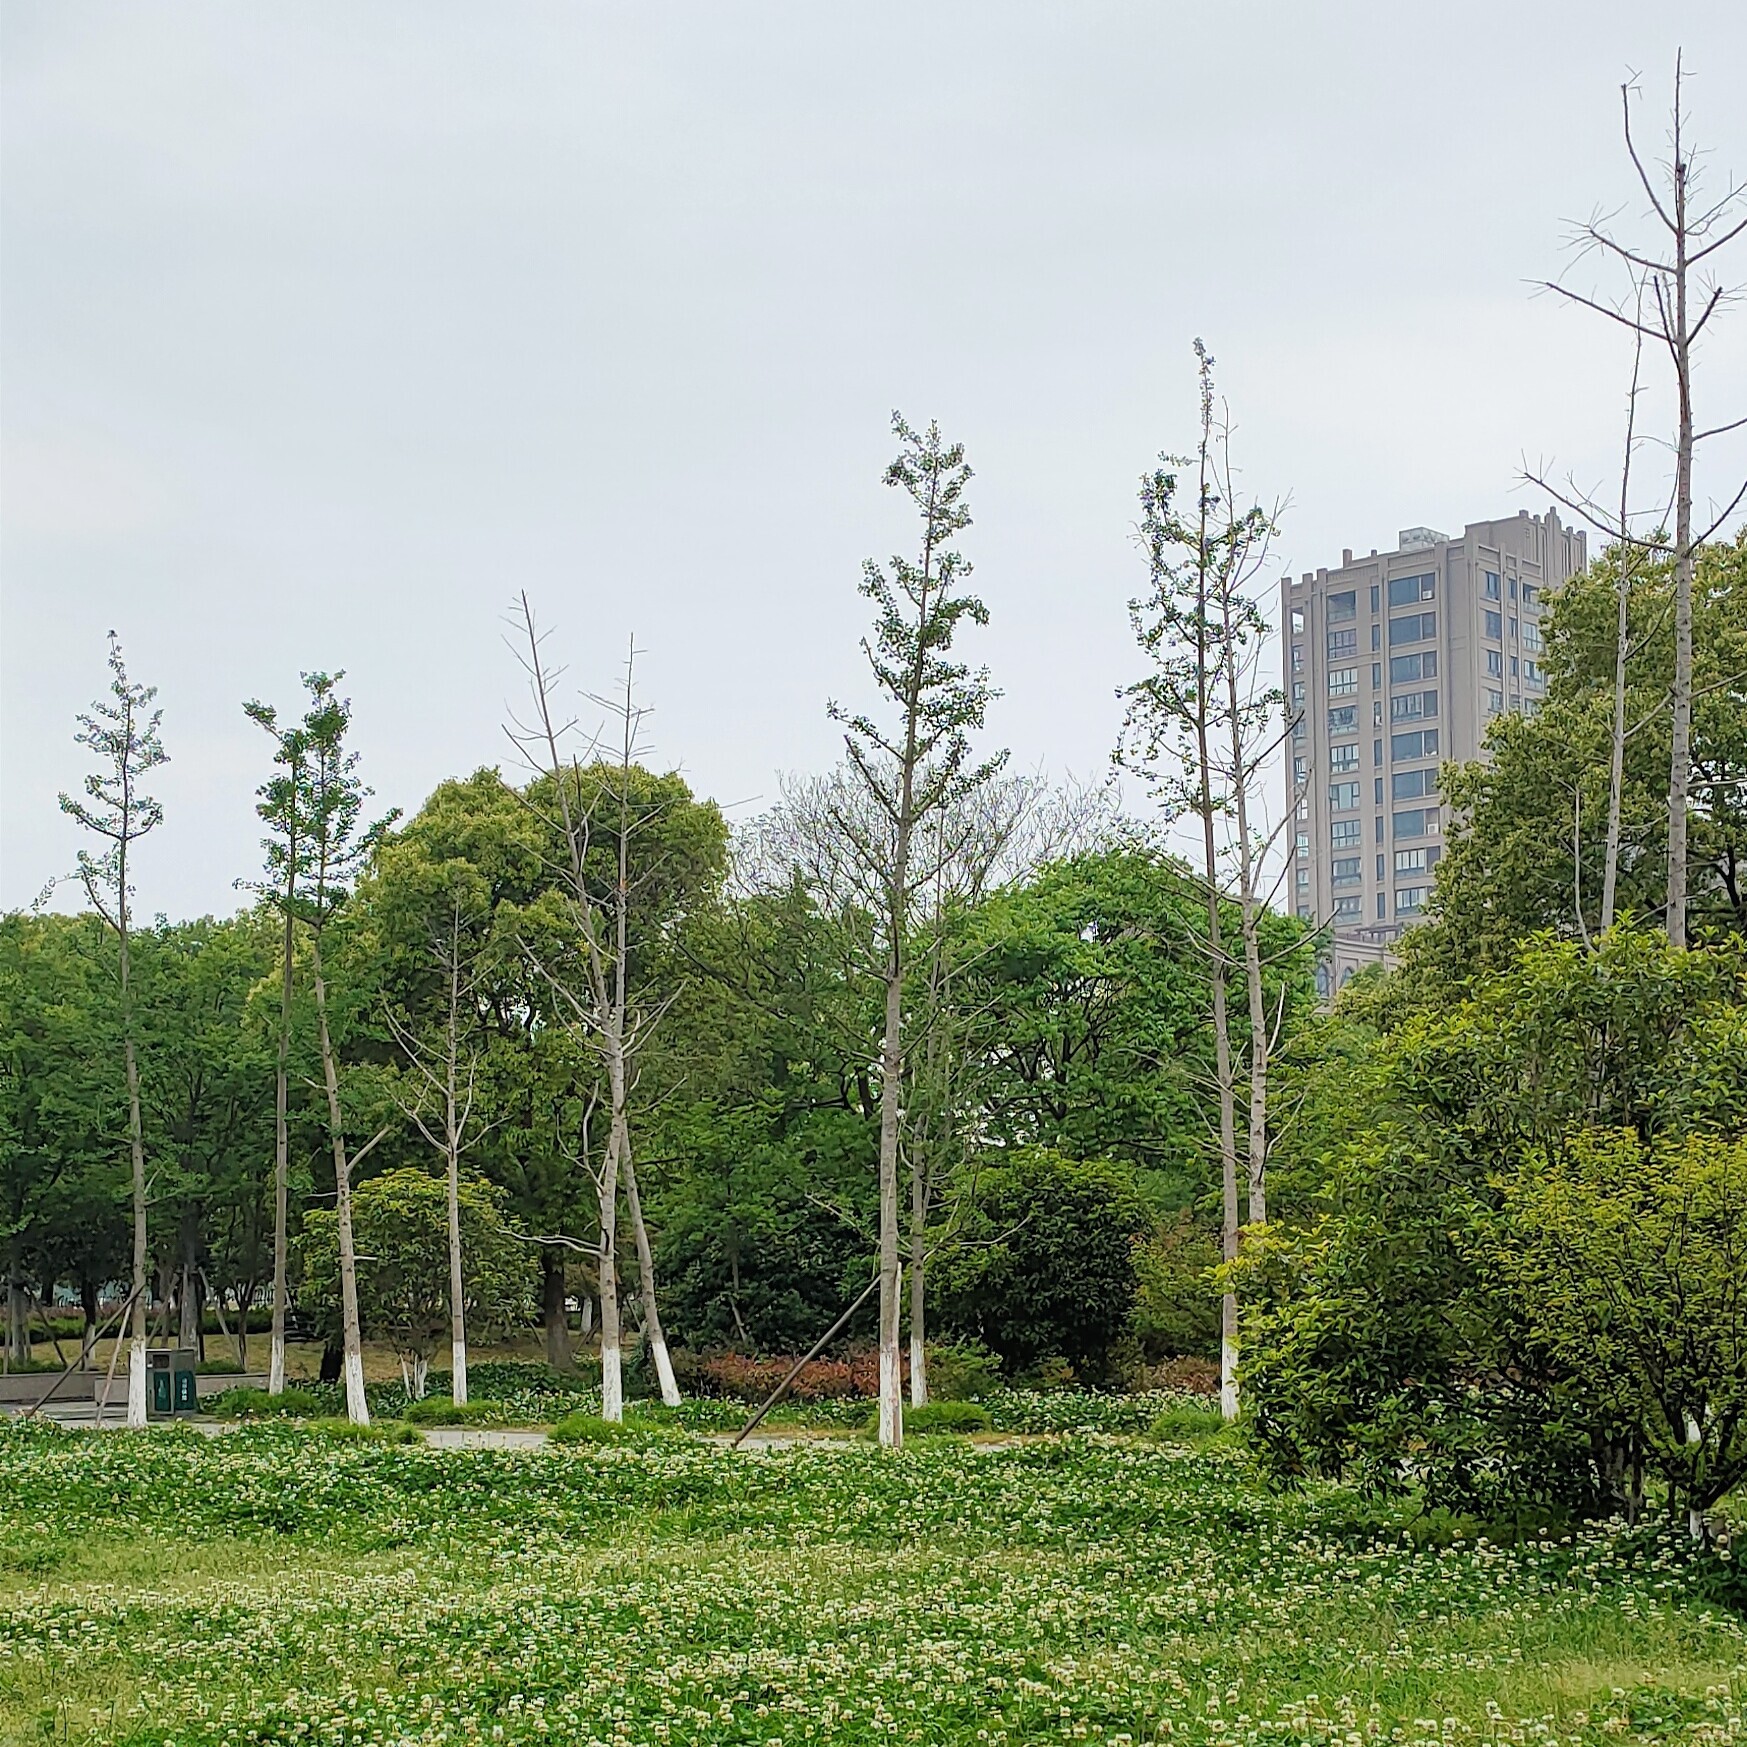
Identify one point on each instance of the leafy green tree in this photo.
(1530, 849)
(1385, 1344)
(1045, 1262)
(1631, 1263)
(122, 734)
(281, 805)
(401, 1228)
(340, 846)
(913, 767)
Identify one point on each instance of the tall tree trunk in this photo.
(88, 1304)
(891, 1071)
(553, 1312)
(612, 1374)
(646, 1277)
(282, 1148)
(1226, 1080)
(1616, 780)
(452, 1136)
(918, 1277)
(351, 1335)
(136, 1139)
(1680, 754)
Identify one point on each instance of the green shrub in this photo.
(1188, 1423)
(590, 1428)
(439, 1410)
(963, 1371)
(938, 1417)
(386, 1431)
(258, 1404)
(218, 1368)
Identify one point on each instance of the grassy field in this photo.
(282, 1585)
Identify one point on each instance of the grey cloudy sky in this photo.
(327, 327)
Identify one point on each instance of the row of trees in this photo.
(912, 975)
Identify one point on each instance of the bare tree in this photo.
(596, 1001)
(123, 735)
(445, 1071)
(911, 769)
(1685, 296)
(1200, 728)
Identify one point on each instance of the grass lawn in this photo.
(281, 1585)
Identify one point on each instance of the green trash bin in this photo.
(170, 1386)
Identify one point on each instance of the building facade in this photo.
(1395, 664)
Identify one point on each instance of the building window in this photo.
(1300, 770)
(1344, 870)
(1513, 667)
(1343, 682)
(1344, 834)
(1303, 844)
(1491, 585)
(1298, 728)
(1410, 900)
(1403, 668)
(1409, 861)
(1409, 823)
(1298, 691)
(1376, 752)
(1377, 713)
(1304, 916)
(1405, 591)
(1381, 901)
(1513, 588)
(1423, 743)
(1344, 721)
(1297, 621)
(1342, 607)
(1495, 703)
(1513, 630)
(1376, 637)
(1303, 878)
(1531, 706)
(1413, 628)
(1531, 636)
(1408, 785)
(1531, 594)
(1376, 674)
(1344, 757)
(1495, 663)
(1373, 597)
(1532, 672)
(1494, 623)
(1343, 797)
(1348, 909)
(1410, 706)
(1342, 644)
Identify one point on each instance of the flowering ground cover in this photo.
(281, 1585)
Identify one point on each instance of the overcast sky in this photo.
(327, 326)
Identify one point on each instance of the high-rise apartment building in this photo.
(1395, 663)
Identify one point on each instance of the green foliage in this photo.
(963, 1371)
(1384, 1340)
(400, 1226)
(939, 1419)
(589, 1428)
(390, 1593)
(1186, 1422)
(1508, 866)
(437, 1410)
(289, 1403)
(1045, 1262)
(1630, 1262)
